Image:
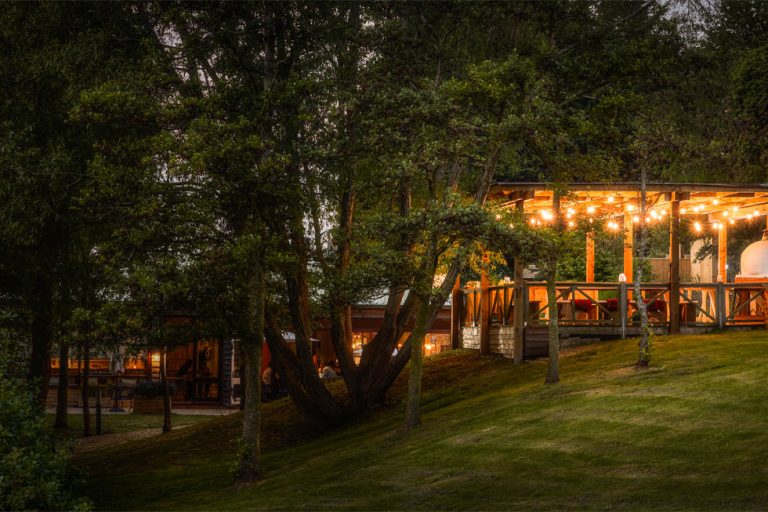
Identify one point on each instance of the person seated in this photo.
(328, 372)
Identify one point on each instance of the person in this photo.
(328, 372)
(266, 376)
(184, 371)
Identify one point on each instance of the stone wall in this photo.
(502, 339)
(470, 337)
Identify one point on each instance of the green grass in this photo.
(115, 423)
(689, 433)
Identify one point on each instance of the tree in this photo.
(76, 162)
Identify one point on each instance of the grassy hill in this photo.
(689, 433)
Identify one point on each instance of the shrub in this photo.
(34, 470)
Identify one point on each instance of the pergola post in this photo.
(485, 308)
(674, 266)
(456, 303)
(722, 251)
(628, 245)
(520, 302)
(590, 257)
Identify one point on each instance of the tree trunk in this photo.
(644, 345)
(243, 376)
(412, 413)
(63, 388)
(85, 388)
(553, 372)
(553, 368)
(166, 393)
(42, 336)
(249, 464)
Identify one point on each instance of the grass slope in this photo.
(690, 433)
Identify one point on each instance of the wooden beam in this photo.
(722, 251)
(628, 245)
(520, 304)
(485, 309)
(590, 257)
(674, 268)
(456, 300)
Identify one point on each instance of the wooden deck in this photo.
(596, 311)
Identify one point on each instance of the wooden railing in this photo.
(613, 305)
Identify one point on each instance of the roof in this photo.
(708, 202)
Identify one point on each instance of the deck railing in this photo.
(613, 305)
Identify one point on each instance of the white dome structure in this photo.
(754, 259)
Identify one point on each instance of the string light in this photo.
(571, 224)
(697, 227)
(591, 209)
(683, 210)
(630, 207)
(610, 199)
(636, 218)
(715, 202)
(511, 226)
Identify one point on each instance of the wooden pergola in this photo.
(712, 206)
(709, 207)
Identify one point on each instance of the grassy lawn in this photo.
(116, 423)
(689, 433)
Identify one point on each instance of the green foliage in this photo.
(34, 467)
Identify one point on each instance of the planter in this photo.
(148, 405)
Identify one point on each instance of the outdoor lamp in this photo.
(622, 278)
